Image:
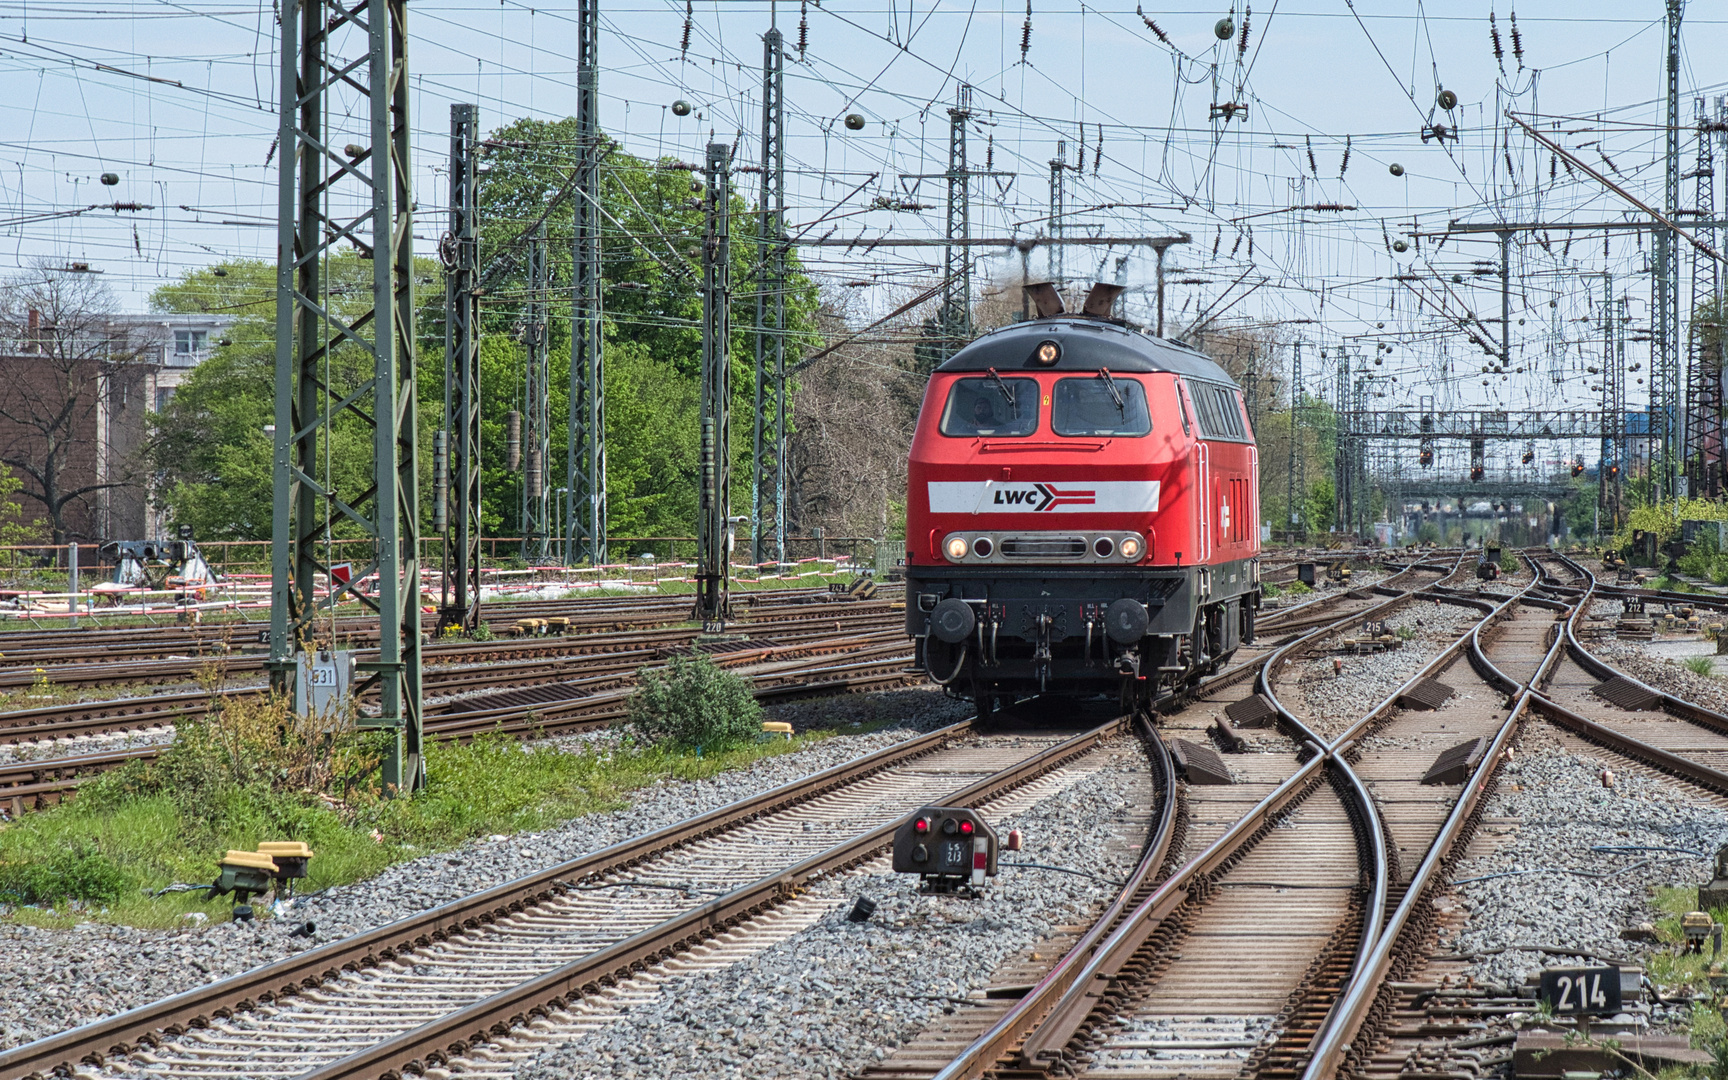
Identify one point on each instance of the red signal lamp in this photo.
(966, 828)
(922, 825)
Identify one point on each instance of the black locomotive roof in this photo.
(1087, 345)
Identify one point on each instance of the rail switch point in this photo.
(952, 849)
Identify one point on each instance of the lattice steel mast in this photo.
(955, 314)
(536, 423)
(586, 472)
(359, 194)
(1704, 340)
(460, 595)
(1666, 385)
(713, 522)
(768, 478)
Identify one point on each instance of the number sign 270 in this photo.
(1581, 991)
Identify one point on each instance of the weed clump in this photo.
(693, 703)
(78, 871)
(1699, 665)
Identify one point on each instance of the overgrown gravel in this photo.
(56, 979)
(1564, 810)
(1663, 674)
(840, 996)
(1330, 699)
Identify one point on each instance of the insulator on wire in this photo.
(1026, 33)
(1312, 167)
(803, 27)
(1517, 42)
(1140, 10)
(1242, 44)
(1499, 51)
(512, 440)
(1566, 248)
(689, 21)
(1344, 166)
(1553, 165)
(990, 153)
(1237, 246)
(1385, 238)
(1080, 149)
(1566, 163)
(1608, 161)
(1250, 243)
(1098, 151)
(1217, 238)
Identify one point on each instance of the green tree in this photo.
(215, 457)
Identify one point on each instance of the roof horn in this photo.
(1102, 299)
(1045, 298)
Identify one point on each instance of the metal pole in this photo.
(767, 479)
(319, 190)
(586, 527)
(537, 436)
(956, 310)
(1058, 165)
(1665, 387)
(460, 251)
(713, 555)
(72, 580)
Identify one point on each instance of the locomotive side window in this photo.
(991, 406)
(1092, 406)
(1219, 416)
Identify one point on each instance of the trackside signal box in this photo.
(951, 848)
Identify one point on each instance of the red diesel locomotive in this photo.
(1082, 511)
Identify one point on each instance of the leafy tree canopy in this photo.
(214, 455)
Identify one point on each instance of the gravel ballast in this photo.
(55, 979)
(1332, 699)
(1564, 810)
(840, 996)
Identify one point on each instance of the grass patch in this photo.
(1297, 588)
(249, 775)
(1698, 665)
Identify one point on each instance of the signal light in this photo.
(966, 828)
(1425, 458)
(1577, 468)
(1529, 456)
(922, 825)
(1047, 353)
(1476, 472)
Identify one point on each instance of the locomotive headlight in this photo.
(956, 547)
(1130, 547)
(1047, 353)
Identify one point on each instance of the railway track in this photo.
(1386, 1027)
(215, 1028)
(587, 663)
(24, 669)
(425, 987)
(1219, 969)
(32, 784)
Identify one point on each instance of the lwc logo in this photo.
(1041, 498)
(999, 497)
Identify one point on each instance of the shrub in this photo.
(77, 872)
(693, 703)
(1698, 665)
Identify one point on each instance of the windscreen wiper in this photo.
(1115, 394)
(1007, 393)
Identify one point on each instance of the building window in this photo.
(189, 342)
(164, 394)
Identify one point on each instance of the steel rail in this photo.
(486, 1019)
(1335, 1038)
(874, 668)
(287, 977)
(1059, 1003)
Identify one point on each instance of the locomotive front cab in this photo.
(1072, 524)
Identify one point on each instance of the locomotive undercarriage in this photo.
(991, 635)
